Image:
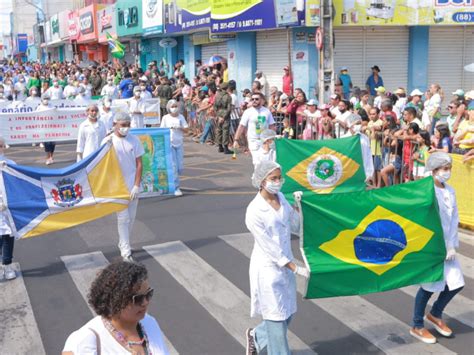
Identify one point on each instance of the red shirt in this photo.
(288, 84)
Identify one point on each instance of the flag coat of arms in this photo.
(372, 241)
(45, 200)
(323, 166)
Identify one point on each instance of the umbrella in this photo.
(469, 67)
(215, 59)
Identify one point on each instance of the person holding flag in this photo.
(440, 165)
(271, 219)
(129, 152)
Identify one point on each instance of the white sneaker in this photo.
(41, 145)
(48, 162)
(10, 274)
(178, 192)
(128, 259)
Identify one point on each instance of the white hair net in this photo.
(267, 134)
(122, 117)
(437, 160)
(171, 103)
(262, 170)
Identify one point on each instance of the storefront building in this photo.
(129, 27)
(106, 24)
(89, 48)
(152, 33)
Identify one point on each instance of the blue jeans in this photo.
(6, 247)
(207, 131)
(272, 335)
(177, 154)
(421, 300)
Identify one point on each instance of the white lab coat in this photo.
(448, 212)
(366, 156)
(272, 285)
(135, 105)
(90, 137)
(261, 155)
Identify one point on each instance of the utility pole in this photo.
(326, 52)
(40, 9)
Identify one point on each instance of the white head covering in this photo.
(437, 160)
(267, 134)
(262, 170)
(122, 117)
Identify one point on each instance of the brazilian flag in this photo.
(117, 49)
(372, 241)
(322, 166)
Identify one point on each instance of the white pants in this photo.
(125, 220)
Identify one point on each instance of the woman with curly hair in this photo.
(120, 295)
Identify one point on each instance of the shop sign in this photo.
(313, 9)
(152, 16)
(186, 15)
(54, 23)
(300, 37)
(106, 23)
(128, 17)
(22, 42)
(238, 15)
(287, 14)
(73, 25)
(403, 13)
(86, 23)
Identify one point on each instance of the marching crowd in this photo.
(404, 136)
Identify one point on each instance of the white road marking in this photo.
(223, 300)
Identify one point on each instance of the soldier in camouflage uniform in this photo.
(165, 92)
(223, 108)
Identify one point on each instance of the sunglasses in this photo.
(138, 299)
(450, 106)
(255, 99)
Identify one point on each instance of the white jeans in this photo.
(125, 220)
(177, 156)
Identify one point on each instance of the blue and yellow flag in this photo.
(46, 200)
(372, 241)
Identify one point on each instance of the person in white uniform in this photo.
(267, 151)
(91, 133)
(129, 152)
(136, 108)
(120, 296)
(110, 89)
(178, 126)
(271, 220)
(440, 165)
(55, 92)
(107, 114)
(255, 119)
(7, 241)
(20, 88)
(70, 91)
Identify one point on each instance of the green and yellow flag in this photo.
(326, 166)
(372, 241)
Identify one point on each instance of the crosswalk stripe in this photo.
(83, 269)
(467, 265)
(374, 324)
(18, 328)
(460, 307)
(466, 238)
(223, 300)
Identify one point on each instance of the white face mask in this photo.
(45, 102)
(272, 145)
(142, 88)
(124, 130)
(110, 82)
(273, 187)
(107, 104)
(173, 109)
(137, 93)
(443, 176)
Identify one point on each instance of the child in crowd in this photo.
(325, 127)
(267, 151)
(421, 155)
(374, 132)
(312, 116)
(287, 132)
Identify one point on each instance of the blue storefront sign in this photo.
(238, 15)
(22, 42)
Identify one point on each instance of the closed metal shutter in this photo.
(272, 55)
(180, 48)
(208, 50)
(361, 48)
(450, 49)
